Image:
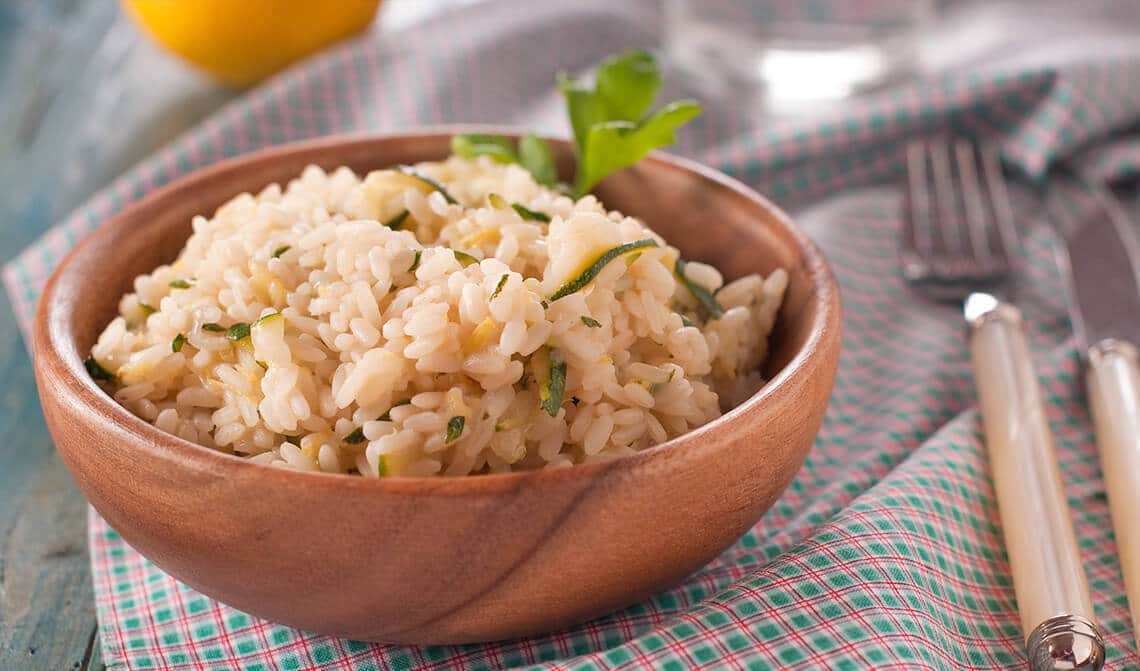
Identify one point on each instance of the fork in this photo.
(957, 242)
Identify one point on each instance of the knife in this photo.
(1102, 255)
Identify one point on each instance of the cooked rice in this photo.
(367, 350)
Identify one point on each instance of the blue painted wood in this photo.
(83, 96)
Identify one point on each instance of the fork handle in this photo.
(1048, 578)
(1113, 381)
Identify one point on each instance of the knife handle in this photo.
(1057, 616)
(1113, 381)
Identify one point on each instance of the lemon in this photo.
(243, 41)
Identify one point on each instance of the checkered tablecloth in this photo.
(885, 552)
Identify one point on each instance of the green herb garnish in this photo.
(416, 261)
(147, 308)
(387, 417)
(397, 221)
(614, 145)
(180, 284)
(591, 322)
(612, 121)
(704, 296)
(430, 182)
(550, 393)
(533, 153)
(499, 148)
(499, 287)
(685, 321)
(594, 268)
(238, 331)
(464, 258)
(97, 371)
(535, 156)
(178, 342)
(211, 326)
(382, 466)
(454, 428)
(354, 438)
(529, 214)
(281, 250)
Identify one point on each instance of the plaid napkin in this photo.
(886, 550)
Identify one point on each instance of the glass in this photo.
(793, 54)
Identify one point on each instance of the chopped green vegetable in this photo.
(497, 201)
(591, 322)
(499, 287)
(397, 221)
(551, 392)
(147, 308)
(415, 261)
(97, 371)
(594, 268)
(356, 437)
(180, 284)
(387, 417)
(535, 156)
(499, 148)
(430, 182)
(704, 296)
(658, 386)
(281, 250)
(529, 214)
(178, 342)
(269, 318)
(464, 258)
(293, 440)
(211, 326)
(685, 321)
(238, 331)
(382, 466)
(454, 428)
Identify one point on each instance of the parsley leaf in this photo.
(613, 145)
(535, 156)
(499, 148)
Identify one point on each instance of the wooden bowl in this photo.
(439, 560)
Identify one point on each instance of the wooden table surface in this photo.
(83, 96)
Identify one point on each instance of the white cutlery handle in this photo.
(1048, 578)
(1114, 394)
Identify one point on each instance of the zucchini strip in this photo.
(430, 182)
(705, 297)
(596, 267)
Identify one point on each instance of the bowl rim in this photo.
(77, 385)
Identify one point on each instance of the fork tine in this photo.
(918, 224)
(999, 202)
(977, 219)
(949, 228)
